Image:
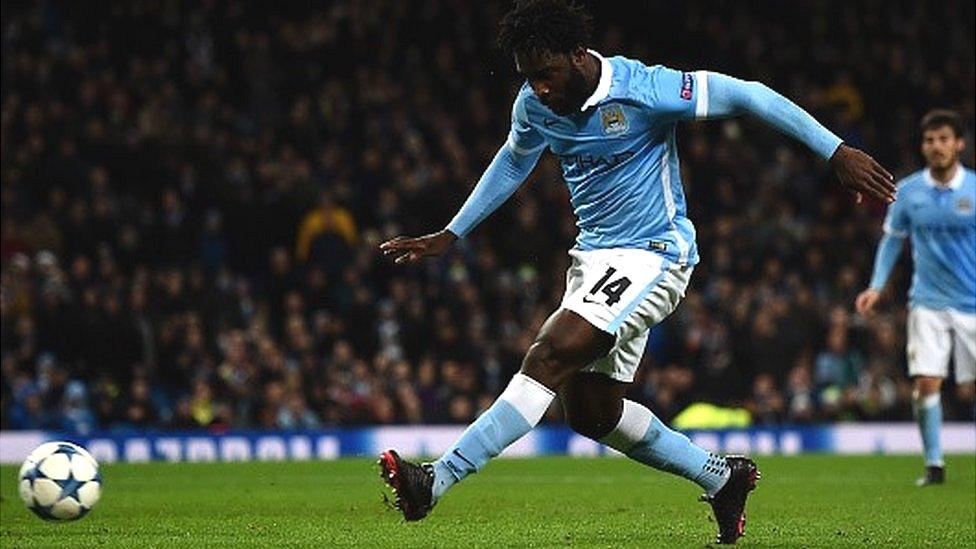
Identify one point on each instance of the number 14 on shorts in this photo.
(606, 286)
(611, 290)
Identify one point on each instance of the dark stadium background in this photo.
(192, 194)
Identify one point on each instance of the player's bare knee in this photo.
(590, 426)
(580, 424)
(926, 386)
(593, 413)
(966, 392)
(543, 358)
(550, 361)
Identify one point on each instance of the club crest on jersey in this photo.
(964, 205)
(687, 85)
(613, 119)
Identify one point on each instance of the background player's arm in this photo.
(889, 249)
(511, 165)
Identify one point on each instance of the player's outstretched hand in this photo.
(865, 302)
(408, 250)
(860, 174)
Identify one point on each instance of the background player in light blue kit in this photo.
(611, 124)
(936, 208)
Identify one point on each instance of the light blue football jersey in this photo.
(941, 222)
(618, 155)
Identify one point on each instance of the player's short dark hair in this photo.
(939, 118)
(557, 26)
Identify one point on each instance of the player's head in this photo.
(942, 138)
(548, 39)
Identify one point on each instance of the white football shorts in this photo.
(934, 336)
(623, 292)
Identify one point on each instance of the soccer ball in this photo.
(60, 481)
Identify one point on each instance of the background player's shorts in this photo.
(933, 335)
(623, 292)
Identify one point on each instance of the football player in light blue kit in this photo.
(936, 208)
(611, 124)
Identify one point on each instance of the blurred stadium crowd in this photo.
(193, 193)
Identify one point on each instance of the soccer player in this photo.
(937, 208)
(611, 124)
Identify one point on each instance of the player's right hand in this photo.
(409, 250)
(865, 302)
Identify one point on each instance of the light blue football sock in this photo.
(515, 413)
(928, 413)
(644, 438)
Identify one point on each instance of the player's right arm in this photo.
(511, 166)
(896, 229)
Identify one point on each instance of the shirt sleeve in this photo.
(884, 261)
(523, 139)
(670, 94)
(896, 228)
(724, 95)
(896, 221)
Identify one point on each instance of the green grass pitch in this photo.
(807, 501)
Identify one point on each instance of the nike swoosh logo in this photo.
(588, 300)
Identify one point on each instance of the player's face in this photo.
(556, 78)
(941, 148)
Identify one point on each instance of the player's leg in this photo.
(593, 403)
(929, 346)
(964, 355)
(565, 344)
(966, 394)
(596, 403)
(595, 407)
(927, 406)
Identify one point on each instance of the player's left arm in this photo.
(719, 96)
(896, 229)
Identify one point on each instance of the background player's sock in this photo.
(643, 437)
(515, 413)
(928, 413)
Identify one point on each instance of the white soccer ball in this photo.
(60, 481)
